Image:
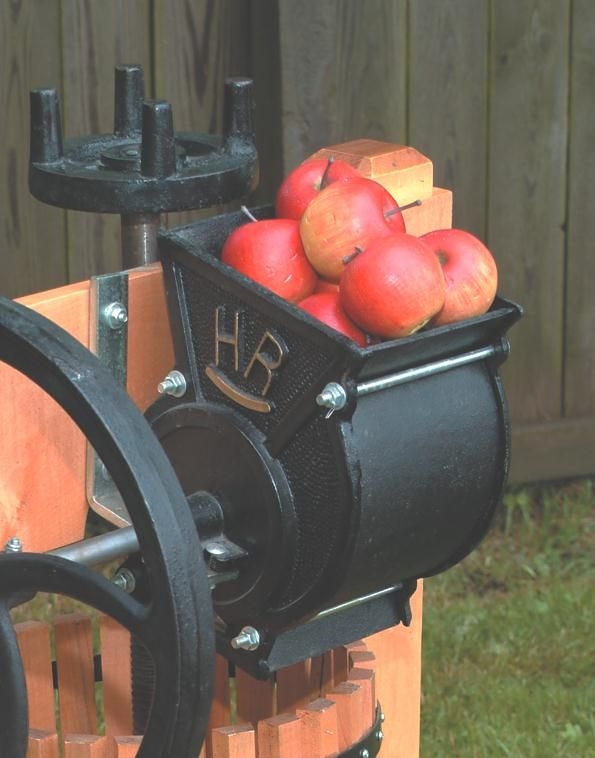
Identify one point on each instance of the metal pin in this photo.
(174, 384)
(247, 639)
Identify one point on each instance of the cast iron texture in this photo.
(176, 623)
(143, 167)
(399, 484)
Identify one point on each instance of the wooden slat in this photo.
(331, 70)
(76, 684)
(87, 746)
(365, 678)
(34, 643)
(320, 731)
(579, 337)
(352, 712)
(447, 99)
(32, 235)
(234, 742)
(42, 744)
(398, 681)
(255, 699)
(127, 747)
(96, 37)
(293, 686)
(115, 667)
(526, 203)
(280, 737)
(321, 674)
(36, 429)
(220, 705)
(197, 46)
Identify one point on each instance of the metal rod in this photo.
(101, 549)
(429, 369)
(139, 239)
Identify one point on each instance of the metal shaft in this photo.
(102, 549)
(139, 239)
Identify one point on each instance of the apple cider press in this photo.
(285, 489)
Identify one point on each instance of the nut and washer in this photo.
(125, 580)
(174, 384)
(14, 545)
(333, 397)
(247, 639)
(116, 315)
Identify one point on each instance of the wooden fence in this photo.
(496, 92)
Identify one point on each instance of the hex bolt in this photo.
(247, 639)
(174, 384)
(14, 545)
(333, 396)
(125, 580)
(116, 315)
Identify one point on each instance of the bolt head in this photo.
(247, 639)
(116, 315)
(364, 753)
(14, 545)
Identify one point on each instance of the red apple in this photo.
(470, 274)
(271, 253)
(343, 218)
(302, 184)
(326, 307)
(394, 287)
(322, 285)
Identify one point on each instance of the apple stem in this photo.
(402, 208)
(246, 212)
(324, 180)
(348, 258)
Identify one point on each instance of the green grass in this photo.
(509, 635)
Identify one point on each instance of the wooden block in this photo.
(255, 699)
(340, 665)
(320, 732)
(42, 744)
(398, 656)
(321, 674)
(362, 659)
(115, 667)
(365, 679)
(233, 742)
(352, 713)
(34, 643)
(87, 746)
(127, 747)
(220, 705)
(280, 737)
(42, 452)
(435, 212)
(150, 351)
(76, 682)
(404, 171)
(293, 686)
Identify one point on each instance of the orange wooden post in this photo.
(234, 742)
(220, 707)
(88, 746)
(280, 737)
(42, 744)
(76, 683)
(255, 699)
(320, 729)
(127, 747)
(34, 643)
(115, 667)
(293, 686)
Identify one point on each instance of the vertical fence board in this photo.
(76, 683)
(198, 44)
(526, 205)
(447, 99)
(96, 37)
(220, 707)
(34, 644)
(293, 686)
(280, 737)
(579, 337)
(255, 699)
(343, 73)
(320, 731)
(32, 235)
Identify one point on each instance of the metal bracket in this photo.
(108, 339)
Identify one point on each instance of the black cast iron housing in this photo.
(335, 508)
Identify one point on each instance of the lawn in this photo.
(509, 635)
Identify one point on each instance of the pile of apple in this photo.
(338, 248)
